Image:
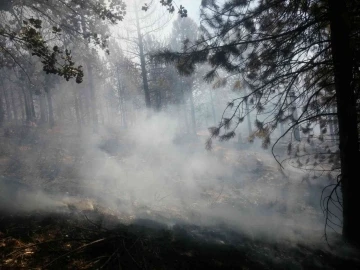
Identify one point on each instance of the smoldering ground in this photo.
(153, 175)
(153, 171)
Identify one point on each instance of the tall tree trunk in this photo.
(125, 114)
(22, 107)
(248, 117)
(80, 99)
(109, 118)
(91, 84)
(7, 105)
(331, 124)
(121, 98)
(185, 115)
(2, 113)
(101, 108)
(31, 104)
(192, 108)
(158, 94)
(85, 94)
(212, 106)
(295, 116)
(77, 112)
(207, 115)
(336, 124)
(142, 60)
(50, 105)
(42, 108)
(92, 96)
(27, 106)
(178, 113)
(59, 113)
(158, 99)
(342, 53)
(12, 97)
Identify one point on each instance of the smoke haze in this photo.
(148, 171)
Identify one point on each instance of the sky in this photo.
(192, 6)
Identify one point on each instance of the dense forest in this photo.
(176, 134)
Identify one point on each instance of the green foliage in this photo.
(280, 49)
(54, 60)
(62, 17)
(67, 21)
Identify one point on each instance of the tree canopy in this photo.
(43, 28)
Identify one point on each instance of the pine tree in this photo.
(293, 55)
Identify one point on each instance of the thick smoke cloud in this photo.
(144, 171)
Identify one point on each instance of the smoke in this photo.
(16, 196)
(145, 171)
(153, 170)
(151, 167)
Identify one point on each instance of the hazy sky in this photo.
(192, 6)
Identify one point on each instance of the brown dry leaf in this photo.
(8, 261)
(29, 251)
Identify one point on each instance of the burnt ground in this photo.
(72, 241)
(78, 234)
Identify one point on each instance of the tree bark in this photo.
(91, 83)
(342, 53)
(85, 98)
(7, 105)
(42, 108)
(192, 108)
(331, 125)
(158, 100)
(248, 115)
(22, 107)
(184, 110)
(31, 105)
(80, 98)
(2, 113)
(27, 106)
(142, 60)
(101, 108)
(295, 117)
(14, 105)
(212, 107)
(120, 87)
(77, 112)
(50, 105)
(92, 96)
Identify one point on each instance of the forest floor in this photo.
(68, 241)
(79, 232)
